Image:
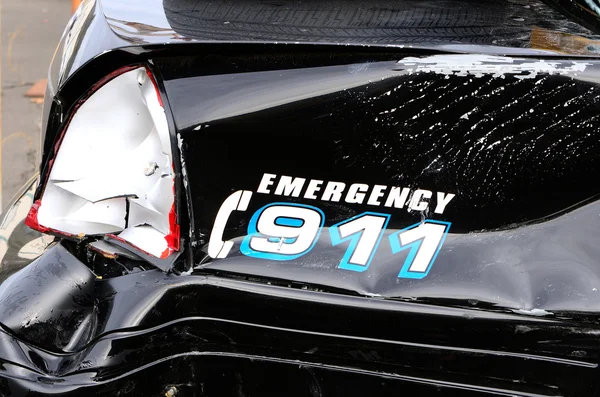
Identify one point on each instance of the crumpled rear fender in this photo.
(67, 332)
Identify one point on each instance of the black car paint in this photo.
(211, 335)
(524, 219)
(230, 329)
(103, 36)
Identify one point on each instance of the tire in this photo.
(484, 22)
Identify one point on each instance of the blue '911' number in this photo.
(281, 231)
(424, 241)
(364, 232)
(284, 231)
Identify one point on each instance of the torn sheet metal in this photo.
(111, 251)
(132, 239)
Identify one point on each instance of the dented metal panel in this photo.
(486, 160)
(361, 218)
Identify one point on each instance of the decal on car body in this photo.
(283, 231)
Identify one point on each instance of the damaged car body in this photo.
(311, 199)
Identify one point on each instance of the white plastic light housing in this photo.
(113, 173)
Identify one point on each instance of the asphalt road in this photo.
(30, 31)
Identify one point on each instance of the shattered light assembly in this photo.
(112, 175)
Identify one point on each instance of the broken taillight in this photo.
(113, 171)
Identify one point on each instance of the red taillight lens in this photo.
(113, 172)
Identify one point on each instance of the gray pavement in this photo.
(30, 31)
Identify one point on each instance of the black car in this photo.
(311, 198)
